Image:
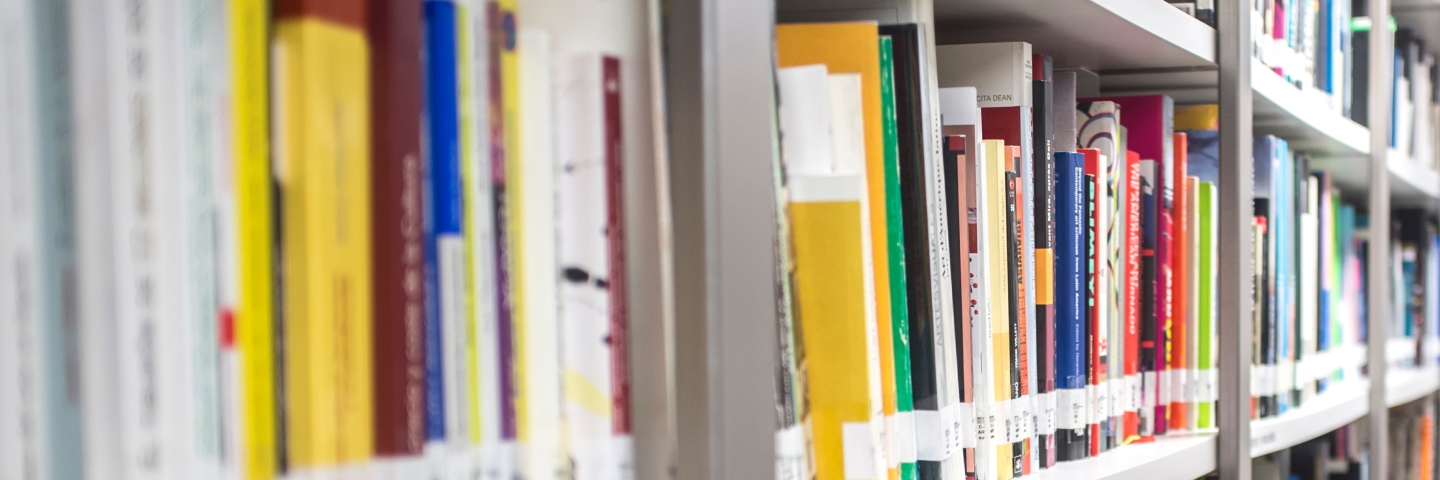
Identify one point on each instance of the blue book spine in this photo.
(443, 201)
(1070, 302)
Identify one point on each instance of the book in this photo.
(591, 315)
(1206, 335)
(43, 307)
(827, 219)
(324, 182)
(1100, 129)
(397, 217)
(1098, 275)
(1137, 315)
(1070, 312)
(892, 351)
(1021, 365)
(445, 281)
(961, 119)
(993, 225)
(1175, 328)
(1042, 92)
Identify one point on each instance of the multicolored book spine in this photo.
(901, 423)
(993, 224)
(1099, 279)
(1071, 297)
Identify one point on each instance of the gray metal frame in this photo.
(721, 111)
(1381, 51)
(1236, 273)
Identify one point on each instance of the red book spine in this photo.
(398, 254)
(1132, 296)
(615, 229)
(1174, 331)
(1095, 370)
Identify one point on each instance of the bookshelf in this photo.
(1338, 406)
(720, 141)
(1405, 386)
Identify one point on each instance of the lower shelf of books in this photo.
(1337, 406)
(1172, 456)
(1407, 385)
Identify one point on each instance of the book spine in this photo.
(1192, 298)
(504, 165)
(443, 237)
(998, 297)
(826, 220)
(1092, 443)
(473, 348)
(40, 335)
(1096, 165)
(1179, 265)
(1026, 322)
(885, 327)
(1044, 232)
(902, 423)
(1164, 250)
(1135, 419)
(398, 218)
(1069, 306)
(979, 388)
(1014, 249)
(325, 185)
(955, 193)
(1205, 387)
(253, 317)
(1149, 297)
(615, 230)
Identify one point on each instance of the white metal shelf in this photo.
(1410, 182)
(1095, 34)
(1408, 385)
(1172, 456)
(1303, 117)
(1338, 406)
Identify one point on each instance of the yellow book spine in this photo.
(470, 178)
(514, 206)
(324, 173)
(826, 233)
(254, 336)
(999, 294)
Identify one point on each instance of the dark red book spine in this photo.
(615, 228)
(398, 255)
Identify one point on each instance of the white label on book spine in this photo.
(1117, 397)
(892, 443)
(967, 428)
(1098, 403)
(905, 437)
(1134, 397)
(1049, 425)
(1073, 412)
(954, 429)
(929, 436)
(790, 453)
(1020, 415)
(1164, 388)
(1001, 416)
(1150, 391)
(859, 450)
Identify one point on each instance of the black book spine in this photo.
(1043, 135)
(1014, 249)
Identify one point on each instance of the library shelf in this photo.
(1336, 407)
(1190, 455)
(1303, 117)
(1410, 182)
(1095, 34)
(1403, 386)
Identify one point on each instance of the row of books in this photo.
(246, 239)
(1309, 249)
(1415, 104)
(1412, 441)
(1042, 290)
(1309, 44)
(1414, 340)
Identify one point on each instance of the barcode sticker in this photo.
(966, 418)
(1134, 398)
(859, 450)
(929, 436)
(1099, 404)
(953, 429)
(905, 437)
(1149, 391)
(790, 453)
(1049, 425)
(1072, 404)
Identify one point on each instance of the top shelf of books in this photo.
(1095, 34)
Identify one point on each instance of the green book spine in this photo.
(1207, 305)
(899, 320)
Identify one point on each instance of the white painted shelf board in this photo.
(1095, 34)
(1338, 406)
(1408, 385)
(1171, 456)
(1410, 182)
(1303, 117)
